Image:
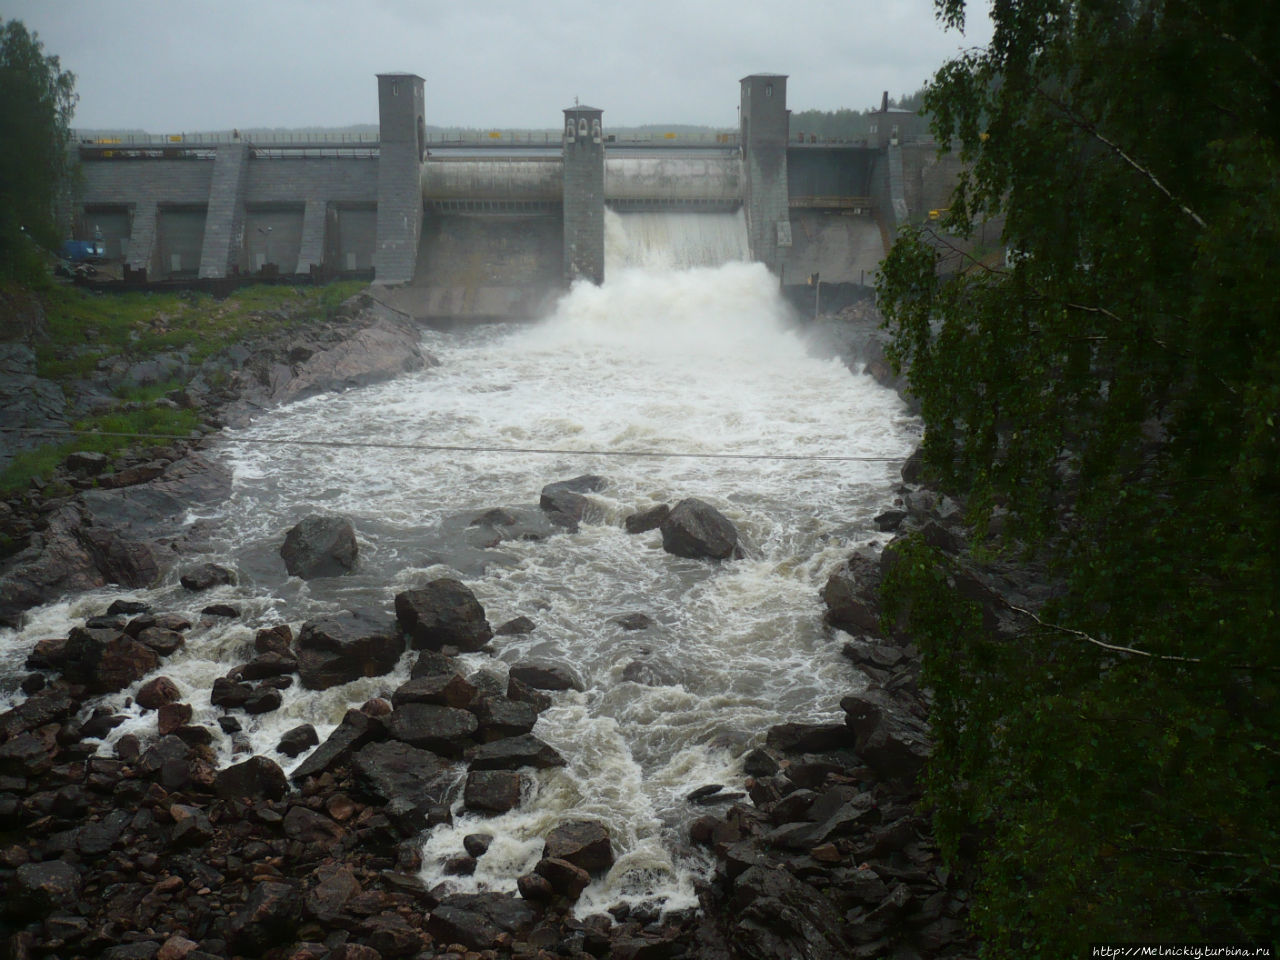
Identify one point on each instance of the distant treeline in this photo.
(842, 124)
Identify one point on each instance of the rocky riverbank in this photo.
(117, 519)
(156, 851)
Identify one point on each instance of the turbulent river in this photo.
(699, 361)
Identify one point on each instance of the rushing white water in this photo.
(697, 361)
(673, 240)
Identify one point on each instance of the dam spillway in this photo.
(191, 208)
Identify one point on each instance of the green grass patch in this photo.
(85, 328)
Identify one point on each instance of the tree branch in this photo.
(1119, 151)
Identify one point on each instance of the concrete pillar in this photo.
(142, 234)
(765, 122)
(224, 222)
(582, 143)
(402, 137)
(315, 218)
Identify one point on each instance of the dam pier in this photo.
(496, 226)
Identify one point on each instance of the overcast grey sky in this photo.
(169, 66)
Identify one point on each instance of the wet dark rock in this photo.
(443, 613)
(355, 730)
(698, 531)
(759, 763)
(255, 779)
(229, 694)
(895, 744)
(477, 844)
(584, 843)
(105, 661)
(156, 693)
(647, 520)
(542, 675)
(567, 879)
(808, 737)
(327, 900)
(564, 503)
(443, 730)
(515, 752)
(43, 886)
(127, 608)
(535, 888)
(221, 610)
(890, 520)
(492, 791)
(320, 546)
(205, 576)
(310, 826)
(170, 717)
(779, 915)
(515, 628)
(269, 918)
(162, 640)
(500, 717)
(455, 925)
(520, 691)
(851, 595)
(298, 739)
(634, 621)
(446, 689)
(346, 646)
(264, 699)
(273, 663)
(390, 770)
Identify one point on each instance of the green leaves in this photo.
(37, 99)
(1115, 391)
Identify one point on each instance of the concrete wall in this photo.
(295, 179)
(281, 245)
(829, 172)
(839, 247)
(179, 241)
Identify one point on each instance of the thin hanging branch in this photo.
(1119, 151)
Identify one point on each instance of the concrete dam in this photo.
(496, 227)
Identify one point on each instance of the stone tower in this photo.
(583, 147)
(764, 122)
(402, 134)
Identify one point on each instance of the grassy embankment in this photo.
(84, 329)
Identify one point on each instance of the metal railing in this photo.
(830, 203)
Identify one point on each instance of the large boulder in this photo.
(699, 531)
(443, 613)
(563, 501)
(887, 738)
(492, 791)
(584, 843)
(345, 647)
(524, 750)
(397, 771)
(105, 660)
(205, 576)
(356, 729)
(255, 779)
(542, 675)
(443, 730)
(320, 546)
(851, 596)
